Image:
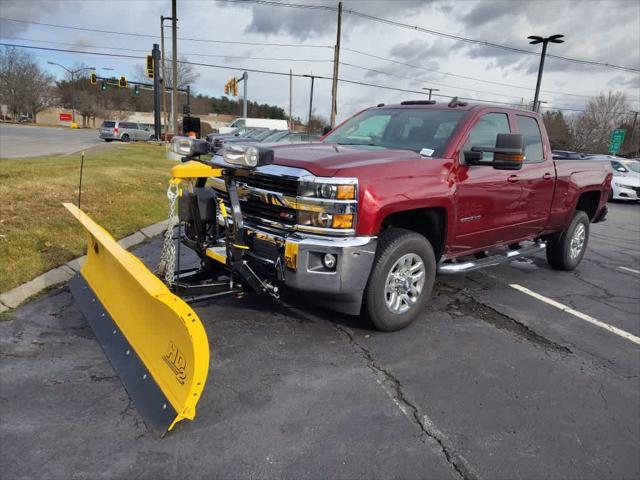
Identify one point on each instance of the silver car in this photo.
(124, 131)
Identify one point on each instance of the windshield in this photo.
(633, 166)
(240, 122)
(417, 129)
(275, 136)
(259, 134)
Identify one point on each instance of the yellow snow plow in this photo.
(154, 340)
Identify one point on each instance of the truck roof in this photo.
(457, 105)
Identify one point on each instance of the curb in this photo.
(16, 296)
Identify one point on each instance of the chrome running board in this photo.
(450, 267)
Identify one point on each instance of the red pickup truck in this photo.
(398, 193)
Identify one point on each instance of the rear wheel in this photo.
(401, 279)
(566, 249)
(125, 137)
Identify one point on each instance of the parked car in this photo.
(255, 123)
(364, 219)
(246, 135)
(288, 136)
(124, 131)
(626, 180)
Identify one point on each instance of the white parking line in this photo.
(630, 270)
(580, 315)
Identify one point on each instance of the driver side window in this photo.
(484, 133)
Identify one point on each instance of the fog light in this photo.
(329, 261)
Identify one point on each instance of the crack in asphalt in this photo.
(394, 388)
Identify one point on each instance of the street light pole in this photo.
(535, 39)
(174, 76)
(72, 73)
(163, 77)
(431, 90)
(310, 102)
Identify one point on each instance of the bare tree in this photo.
(24, 86)
(591, 130)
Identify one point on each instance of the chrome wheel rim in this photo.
(577, 241)
(404, 283)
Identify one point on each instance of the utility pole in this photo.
(163, 78)
(155, 53)
(290, 98)
(535, 39)
(245, 77)
(431, 90)
(310, 103)
(336, 63)
(174, 77)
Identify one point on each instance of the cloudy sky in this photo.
(595, 31)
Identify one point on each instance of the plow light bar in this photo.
(247, 156)
(189, 147)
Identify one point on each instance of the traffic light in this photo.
(93, 79)
(103, 86)
(234, 86)
(150, 66)
(226, 88)
(136, 90)
(122, 83)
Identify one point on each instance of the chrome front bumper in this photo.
(301, 258)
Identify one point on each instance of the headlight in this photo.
(338, 191)
(189, 147)
(246, 156)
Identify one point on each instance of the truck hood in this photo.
(326, 159)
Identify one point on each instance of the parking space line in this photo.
(575, 313)
(630, 270)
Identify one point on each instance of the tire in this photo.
(108, 140)
(124, 137)
(399, 251)
(566, 249)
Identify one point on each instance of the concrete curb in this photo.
(13, 298)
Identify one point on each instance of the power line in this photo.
(113, 32)
(191, 54)
(145, 35)
(434, 32)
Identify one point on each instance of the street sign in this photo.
(617, 139)
(186, 109)
(65, 117)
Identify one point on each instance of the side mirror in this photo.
(508, 154)
(326, 130)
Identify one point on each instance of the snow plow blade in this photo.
(155, 342)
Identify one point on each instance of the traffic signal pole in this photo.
(156, 91)
(245, 76)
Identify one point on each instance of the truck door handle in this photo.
(546, 176)
(513, 178)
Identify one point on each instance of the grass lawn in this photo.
(123, 189)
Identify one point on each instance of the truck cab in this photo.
(366, 218)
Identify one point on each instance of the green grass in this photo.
(123, 190)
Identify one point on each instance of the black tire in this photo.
(395, 244)
(124, 137)
(108, 140)
(559, 246)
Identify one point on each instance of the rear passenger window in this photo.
(485, 132)
(528, 127)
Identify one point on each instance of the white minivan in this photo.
(269, 123)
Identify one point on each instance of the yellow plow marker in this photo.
(155, 342)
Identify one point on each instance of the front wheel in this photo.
(401, 279)
(566, 249)
(124, 138)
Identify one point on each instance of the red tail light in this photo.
(115, 129)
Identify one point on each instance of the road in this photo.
(490, 382)
(30, 141)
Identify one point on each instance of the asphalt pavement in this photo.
(514, 372)
(31, 141)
